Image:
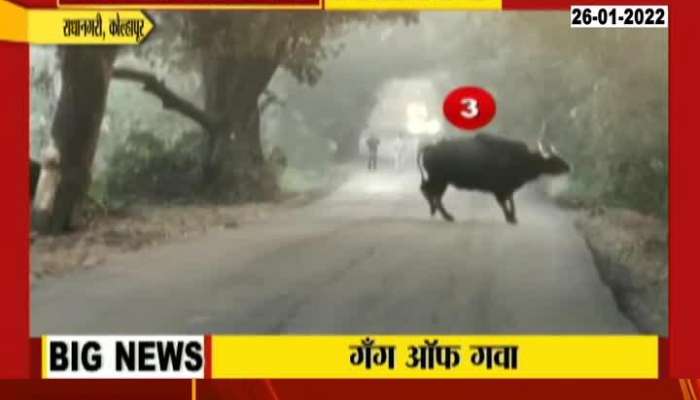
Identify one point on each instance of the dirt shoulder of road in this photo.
(145, 225)
(133, 229)
(630, 251)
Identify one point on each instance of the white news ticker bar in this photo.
(184, 357)
(646, 16)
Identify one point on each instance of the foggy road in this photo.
(367, 258)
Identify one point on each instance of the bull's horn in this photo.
(553, 149)
(542, 150)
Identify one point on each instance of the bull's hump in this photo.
(502, 142)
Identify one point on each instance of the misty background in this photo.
(603, 93)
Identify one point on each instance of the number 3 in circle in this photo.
(471, 108)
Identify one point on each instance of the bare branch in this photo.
(270, 99)
(170, 99)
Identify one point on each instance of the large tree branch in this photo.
(170, 99)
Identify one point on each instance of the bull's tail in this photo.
(419, 161)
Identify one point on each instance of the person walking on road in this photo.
(373, 146)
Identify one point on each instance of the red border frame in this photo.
(683, 352)
(14, 238)
(684, 275)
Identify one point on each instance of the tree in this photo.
(238, 54)
(85, 77)
(340, 105)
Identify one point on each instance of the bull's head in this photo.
(552, 163)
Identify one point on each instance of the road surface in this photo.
(365, 259)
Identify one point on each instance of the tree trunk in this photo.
(218, 144)
(234, 165)
(255, 179)
(219, 93)
(248, 142)
(85, 74)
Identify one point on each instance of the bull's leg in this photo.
(503, 202)
(437, 199)
(513, 219)
(446, 215)
(425, 188)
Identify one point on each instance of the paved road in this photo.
(365, 259)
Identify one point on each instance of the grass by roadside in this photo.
(630, 251)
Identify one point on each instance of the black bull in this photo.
(485, 163)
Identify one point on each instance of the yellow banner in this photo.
(434, 357)
(72, 26)
(13, 22)
(413, 4)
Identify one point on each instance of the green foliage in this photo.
(298, 41)
(145, 167)
(641, 183)
(305, 148)
(618, 141)
(602, 92)
(631, 179)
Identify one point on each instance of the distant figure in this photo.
(373, 146)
